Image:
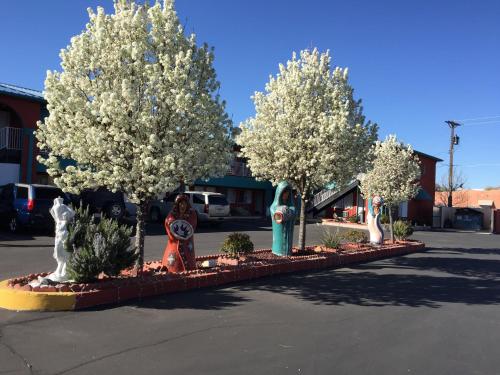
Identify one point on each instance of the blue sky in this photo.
(415, 64)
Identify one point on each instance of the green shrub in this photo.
(237, 244)
(384, 219)
(104, 247)
(402, 230)
(356, 236)
(353, 219)
(331, 240)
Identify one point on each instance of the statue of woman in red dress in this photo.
(180, 225)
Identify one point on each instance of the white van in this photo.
(210, 207)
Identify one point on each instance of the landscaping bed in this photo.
(155, 280)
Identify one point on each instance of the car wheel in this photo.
(114, 211)
(13, 225)
(154, 215)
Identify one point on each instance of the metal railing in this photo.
(322, 196)
(11, 138)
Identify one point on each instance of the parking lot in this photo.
(436, 312)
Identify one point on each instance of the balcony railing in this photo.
(322, 196)
(239, 168)
(11, 138)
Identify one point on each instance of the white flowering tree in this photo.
(308, 129)
(394, 175)
(136, 106)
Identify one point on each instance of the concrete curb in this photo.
(20, 300)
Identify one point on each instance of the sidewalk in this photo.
(340, 224)
(334, 223)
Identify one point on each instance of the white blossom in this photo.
(136, 105)
(308, 129)
(394, 175)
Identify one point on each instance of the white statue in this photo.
(376, 231)
(62, 215)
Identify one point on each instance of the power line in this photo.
(470, 165)
(483, 123)
(479, 119)
(479, 165)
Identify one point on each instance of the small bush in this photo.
(237, 244)
(331, 240)
(384, 219)
(356, 236)
(402, 230)
(97, 248)
(352, 219)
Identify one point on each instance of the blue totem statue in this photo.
(283, 214)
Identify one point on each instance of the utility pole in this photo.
(453, 141)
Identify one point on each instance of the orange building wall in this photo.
(468, 198)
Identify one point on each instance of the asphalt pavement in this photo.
(435, 312)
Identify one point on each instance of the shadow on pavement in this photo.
(370, 289)
(29, 245)
(466, 267)
(203, 299)
(21, 236)
(475, 283)
(474, 251)
(469, 281)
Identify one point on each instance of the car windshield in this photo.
(48, 193)
(217, 199)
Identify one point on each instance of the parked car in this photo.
(28, 205)
(157, 209)
(210, 207)
(101, 201)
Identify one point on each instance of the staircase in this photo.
(327, 196)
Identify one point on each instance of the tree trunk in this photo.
(139, 236)
(302, 225)
(391, 224)
(182, 186)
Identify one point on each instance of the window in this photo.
(217, 199)
(22, 192)
(247, 196)
(43, 179)
(171, 198)
(198, 199)
(6, 192)
(48, 193)
(4, 119)
(231, 195)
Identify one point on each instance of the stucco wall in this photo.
(9, 173)
(29, 112)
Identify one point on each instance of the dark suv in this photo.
(101, 201)
(28, 205)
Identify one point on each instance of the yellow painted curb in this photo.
(20, 300)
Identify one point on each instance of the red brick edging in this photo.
(156, 281)
(133, 288)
